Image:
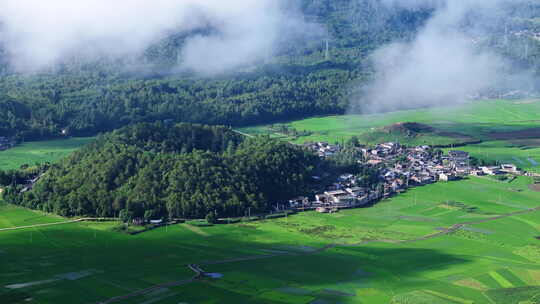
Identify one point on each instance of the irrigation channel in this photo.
(199, 273)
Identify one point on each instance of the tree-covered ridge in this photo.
(158, 170)
(301, 79)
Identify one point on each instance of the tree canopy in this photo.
(170, 171)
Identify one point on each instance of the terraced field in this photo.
(399, 251)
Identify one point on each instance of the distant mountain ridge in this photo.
(301, 79)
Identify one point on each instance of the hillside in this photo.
(301, 79)
(156, 171)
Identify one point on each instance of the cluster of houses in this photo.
(6, 143)
(323, 149)
(399, 168)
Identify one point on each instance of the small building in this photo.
(447, 177)
(322, 210)
(509, 168)
(345, 200)
(335, 196)
(322, 198)
(356, 191)
(491, 170)
(443, 177)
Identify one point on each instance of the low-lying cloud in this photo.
(38, 34)
(444, 63)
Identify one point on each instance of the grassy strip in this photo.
(448, 297)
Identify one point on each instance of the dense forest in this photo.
(169, 171)
(301, 79)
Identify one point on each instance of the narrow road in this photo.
(198, 271)
(242, 133)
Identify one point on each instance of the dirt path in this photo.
(200, 273)
(242, 133)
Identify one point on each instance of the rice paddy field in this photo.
(30, 153)
(509, 130)
(476, 119)
(471, 241)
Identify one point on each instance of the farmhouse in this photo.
(356, 191)
(491, 170)
(444, 177)
(510, 168)
(336, 196)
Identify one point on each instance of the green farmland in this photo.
(478, 120)
(509, 130)
(395, 252)
(527, 158)
(39, 152)
(472, 241)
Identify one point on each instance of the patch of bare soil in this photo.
(412, 129)
(526, 137)
(531, 142)
(535, 187)
(408, 128)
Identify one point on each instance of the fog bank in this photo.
(445, 62)
(39, 34)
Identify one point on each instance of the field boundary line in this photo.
(242, 133)
(196, 267)
(53, 224)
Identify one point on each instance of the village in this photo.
(399, 168)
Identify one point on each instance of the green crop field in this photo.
(399, 251)
(371, 255)
(477, 119)
(31, 153)
(527, 158)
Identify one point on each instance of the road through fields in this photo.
(200, 274)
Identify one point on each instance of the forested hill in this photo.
(169, 171)
(301, 79)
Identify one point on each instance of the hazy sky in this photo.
(39, 33)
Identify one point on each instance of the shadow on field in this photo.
(490, 131)
(362, 266)
(251, 261)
